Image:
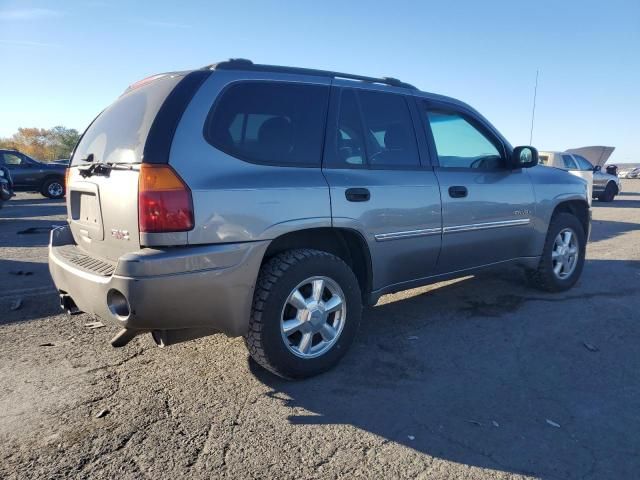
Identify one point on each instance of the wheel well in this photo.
(52, 176)
(578, 208)
(347, 244)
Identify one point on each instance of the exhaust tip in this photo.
(68, 305)
(118, 305)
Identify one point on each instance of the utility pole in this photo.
(533, 111)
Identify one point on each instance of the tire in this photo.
(53, 188)
(544, 277)
(609, 194)
(279, 278)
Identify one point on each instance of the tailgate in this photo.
(102, 190)
(103, 212)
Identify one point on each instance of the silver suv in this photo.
(273, 203)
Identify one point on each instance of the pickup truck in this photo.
(30, 175)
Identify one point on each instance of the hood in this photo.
(597, 155)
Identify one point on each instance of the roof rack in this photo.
(244, 64)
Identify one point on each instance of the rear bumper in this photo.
(195, 287)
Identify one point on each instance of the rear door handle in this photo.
(357, 194)
(458, 191)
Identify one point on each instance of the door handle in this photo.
(357, 194)
(458, 191)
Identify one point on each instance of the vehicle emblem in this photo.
(120, 234)
(522, 212)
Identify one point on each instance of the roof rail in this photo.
(244, 64)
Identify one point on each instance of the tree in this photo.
(43, 144)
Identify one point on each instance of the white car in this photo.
(603, 186)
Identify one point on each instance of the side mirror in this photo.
(524, 157)
(597, 168)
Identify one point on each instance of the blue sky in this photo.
(64, 61)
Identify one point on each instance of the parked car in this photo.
(603, 186)
(30, 175)
(6, 185)
(272, 202)
(629, 172)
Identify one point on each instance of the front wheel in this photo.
(562, 259)
(306, 311)
(53, 188)
(609, 193)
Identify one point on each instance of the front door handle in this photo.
(458, 191)
(357, 194)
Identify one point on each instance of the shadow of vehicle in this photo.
(486, 372)
(26, 232)
(617, 203)
(26, 291)
(16, 209)
(608, 229)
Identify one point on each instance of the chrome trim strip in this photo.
(382, 237)
(485, 226)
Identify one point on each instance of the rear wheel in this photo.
(562, 259)
(53, 188)
(306, 311)
(609, 193)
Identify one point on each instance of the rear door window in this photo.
(389, 135)
(374, 129)
(270, 123)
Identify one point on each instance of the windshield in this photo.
(119, 133)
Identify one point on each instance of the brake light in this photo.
(164, 201)
(67, 173)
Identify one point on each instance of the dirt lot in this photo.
(475, 378)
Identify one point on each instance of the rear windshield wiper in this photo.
(103, 169)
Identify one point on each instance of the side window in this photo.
(583, 163)
(544, 159)
(271, 123)
(375, 129)
(460, 144)
(11, 159)
(569, 162)
(389, 135)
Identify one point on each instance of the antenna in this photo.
(533, 112)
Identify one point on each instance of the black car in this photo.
(30, 175)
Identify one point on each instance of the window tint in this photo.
(583, 163)
(389, 135)
(270, 123)
(460, 144)
(569, 162)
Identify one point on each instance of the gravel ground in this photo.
(479, 377)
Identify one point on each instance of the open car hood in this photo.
(597, 155)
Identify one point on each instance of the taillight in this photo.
(164, 201)
(67, 172)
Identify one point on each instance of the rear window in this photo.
(119, 133)
(270, 123)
